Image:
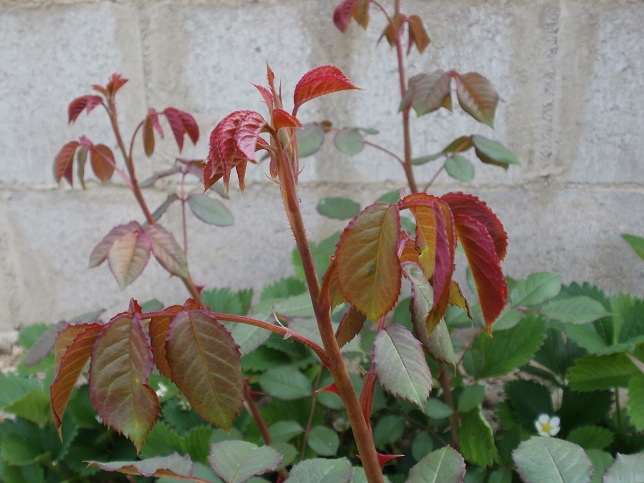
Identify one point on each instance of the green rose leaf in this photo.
(542, 459)
(444, 465)
(239, 461)
(320, 470)
(209, 210)
(460, 168)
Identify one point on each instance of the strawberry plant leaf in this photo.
(167, 251)
(575, 310)
(477, 96)
(485, 265)
(128, 256)
(636, 243)
(460, 168)
(310, 138)
(319, 470)
(206, 366)
(508, 350)
(635, 398)
(471, 397)
(596, 373)
(338, 208)
(444, 465)
(591, 437)
(72, 353)
(428, 92)
(535, 289)
(173, 466)
(349, 141)
(118, 378)
(82, 103)
(493, 152)
(209, 210)
(239, 461)
(476, 440)
(400, 364)
(551, 459)
(320, 81)
(63, 162)
(102, 161)
(368, 266)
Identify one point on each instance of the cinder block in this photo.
(574, 232)
(49, 56)
(603, 142)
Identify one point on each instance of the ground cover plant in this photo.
(347, 371)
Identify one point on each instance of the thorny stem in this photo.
(409, 172)
(127, 157)
(253, 409)
(409, 169)
(322, 308)
(278, 329)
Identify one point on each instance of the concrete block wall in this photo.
(570, 74)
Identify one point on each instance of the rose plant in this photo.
(386, 282)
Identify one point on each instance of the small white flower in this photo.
(547, 426)
(162, 390)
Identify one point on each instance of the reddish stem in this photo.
(322, 308)
(253, 409)
(278, 329)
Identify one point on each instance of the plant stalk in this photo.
(136, 190)
(322, 308)
(400, 57)
(446, 384)
(253, 409)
